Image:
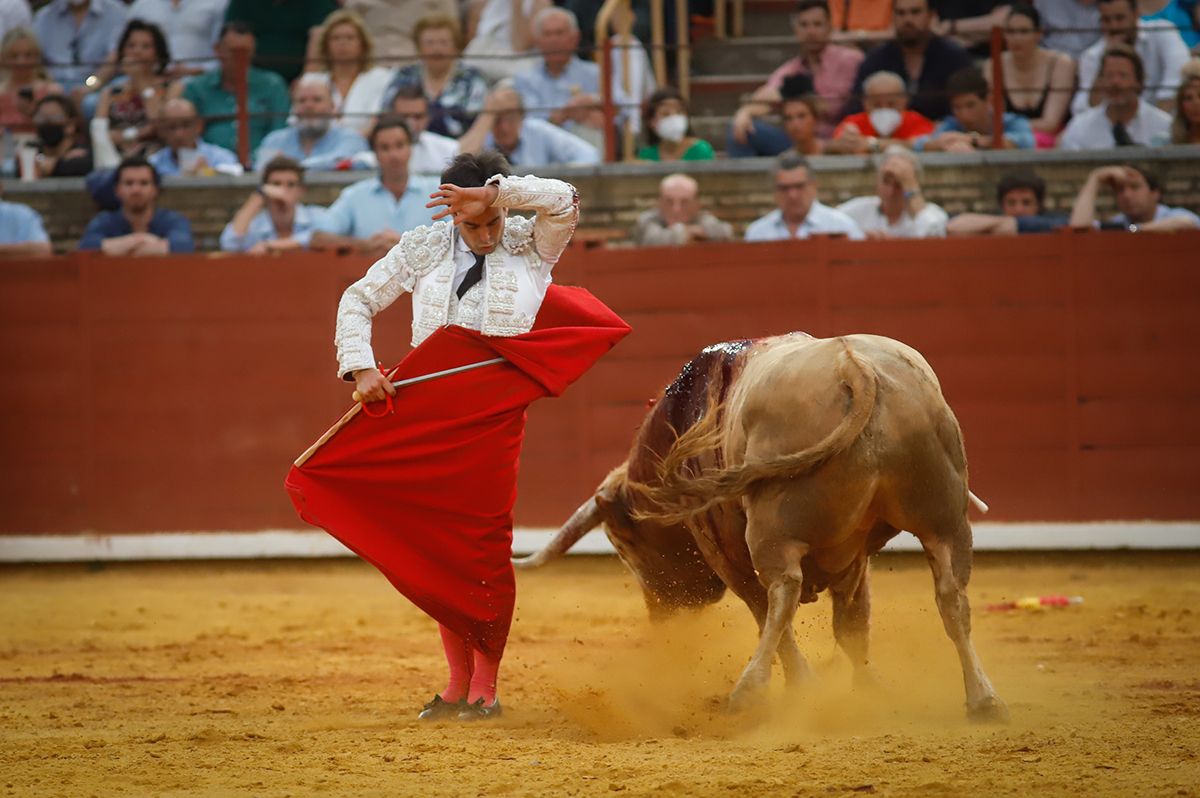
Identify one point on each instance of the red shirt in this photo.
(912, 125)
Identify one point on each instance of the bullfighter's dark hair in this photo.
(471, 170)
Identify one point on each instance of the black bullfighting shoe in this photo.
(438, 709)
(480, 711)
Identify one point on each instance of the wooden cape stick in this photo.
(353, 411)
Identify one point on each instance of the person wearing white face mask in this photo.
(668, 130)
(310, 136)
(885, 120)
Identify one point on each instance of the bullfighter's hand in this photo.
(462, 203)
(372, 386)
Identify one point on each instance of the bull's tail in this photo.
(582, 521)
(680, 496)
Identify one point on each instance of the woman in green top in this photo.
(668, 132)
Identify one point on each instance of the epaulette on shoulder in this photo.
(424, 246)
(518, 234)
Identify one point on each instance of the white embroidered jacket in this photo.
(505, 302)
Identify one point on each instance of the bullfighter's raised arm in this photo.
(555, 202)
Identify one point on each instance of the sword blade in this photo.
(447, 372)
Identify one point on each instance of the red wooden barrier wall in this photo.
(171, 394)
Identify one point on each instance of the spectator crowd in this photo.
(126, 93)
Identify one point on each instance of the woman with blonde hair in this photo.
(455, 91)
(23, 80)
(1186, 127)
(343, 49)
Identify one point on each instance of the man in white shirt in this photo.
(898, 209)
(431, 153)
(1158, 44)
(1124, 118)
(798, 213)
(191, 27)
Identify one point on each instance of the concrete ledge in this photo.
(1115, 535)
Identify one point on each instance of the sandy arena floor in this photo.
(302, 678)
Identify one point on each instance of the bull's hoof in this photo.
(746, 696)
(989, 710)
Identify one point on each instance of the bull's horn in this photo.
(581, 522)
(979, 503)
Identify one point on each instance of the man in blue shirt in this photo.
(77, 37)
(312, 139)
(1138, 195)
(185, 152)
(213, 93)
(21, 232)
(272, 219)
(798, 212)
(371, 215)
(525, 142)
(969, 127)
(138, 228)
(563, 88)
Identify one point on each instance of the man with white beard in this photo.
(310, 137)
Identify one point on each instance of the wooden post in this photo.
(241, 91)
(997, 88)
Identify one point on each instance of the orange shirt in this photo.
(861, 14)
(912, 125)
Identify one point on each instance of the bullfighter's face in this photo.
(483, 232)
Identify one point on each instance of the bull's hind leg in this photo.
(950, 560)
(852, 619)
(783, 596)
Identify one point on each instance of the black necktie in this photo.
(1121, 135)
(474, 275)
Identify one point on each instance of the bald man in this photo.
(885, 120)
(184, 152)
(678, 219)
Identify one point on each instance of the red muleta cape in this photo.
(426, 494)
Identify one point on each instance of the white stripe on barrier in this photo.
(313, 543)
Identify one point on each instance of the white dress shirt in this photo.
(191, 27)
(820, 219)
(1092, 130)
(867, 213)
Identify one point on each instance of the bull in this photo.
(775, 468)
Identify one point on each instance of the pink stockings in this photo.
(472, 673)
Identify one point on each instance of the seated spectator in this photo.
(212, 93)
(139, 227)
(798, 212)
(392, 24)
(969, 23)
(830, 66)
(272, 218)
(563, 88)
(183, 151)
(455, 91)
(1186, 127)
(915, 45)
(668, 131)
(500, 35)
(1158, 45)
(1071, 26)
(283, 28)
(1022, 199)
(131, 104)
(371, 215)
(345, 52)
(898, 209)
(1124, 118)
(1037, 82)
(625, 44)
(799, 108)
(62, 149)
(77, 37)
(1180, 13)
(312, 138)
(525, 142)
(22, 234)
(970, 125)
(24, 81)
(885, 119)
(678, 218)
(432, 153)
(192, 28)
(1138, 193)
